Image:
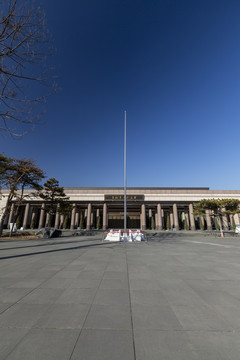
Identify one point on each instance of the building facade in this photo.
(147, 208)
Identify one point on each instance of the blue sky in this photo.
(173, 65)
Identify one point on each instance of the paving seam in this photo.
(130, 303)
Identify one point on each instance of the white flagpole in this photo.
(125, 172)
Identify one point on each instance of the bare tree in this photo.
(25, 47)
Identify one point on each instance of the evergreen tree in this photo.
(218, 208)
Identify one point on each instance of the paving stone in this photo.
(12, 295)
(112, 297)
(42, 296)
(215, 345)
(167, 345)
(64, 316)
(45, 344)
(114, 284)
(9, 338)
(154, 317)
(77, 296)
(200, 318)
(143, 297)
(104, 344)
(109, 317)
(22, 315)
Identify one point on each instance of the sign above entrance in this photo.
(121, 197)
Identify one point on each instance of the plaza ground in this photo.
(173, 297)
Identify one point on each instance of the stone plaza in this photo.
(175, 296)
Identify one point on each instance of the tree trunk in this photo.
(220, 227)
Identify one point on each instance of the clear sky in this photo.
(174, 65)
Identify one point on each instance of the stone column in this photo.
(201, 221)
(56, 225)
(42, 214)
(225, 220)
(10, 215)
(159, 217)
(25, 219)
(156, 221)
(98, 213)
(143, 217)
(89, 210)
(187, 219)
(105, 222)
(208, 220)
(192, 221)
(171, 219)
(72, 226)
(236, 219)
(77, 219)
(175, 217)
(33, 218)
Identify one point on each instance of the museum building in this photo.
(147, 208)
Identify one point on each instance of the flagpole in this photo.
(125, 171)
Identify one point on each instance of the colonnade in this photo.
(157, 211)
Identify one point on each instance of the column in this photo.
(42, 214)
(225, 220)
(89, 210)
(156, 221)
(143, 217)
(175, 217)
(171, 219)
(150, 218)
(33, 219)
(56, 225)
(105, 224)
(192, 221)
(159, 217)
(77, 220)
(201, 222)
(72, 226)
(10, 215)
(236, 219)
(208, 220)
(187, 220)
(25, 219)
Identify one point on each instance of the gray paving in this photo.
(173, 297)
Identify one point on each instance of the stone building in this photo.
(158, 208)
